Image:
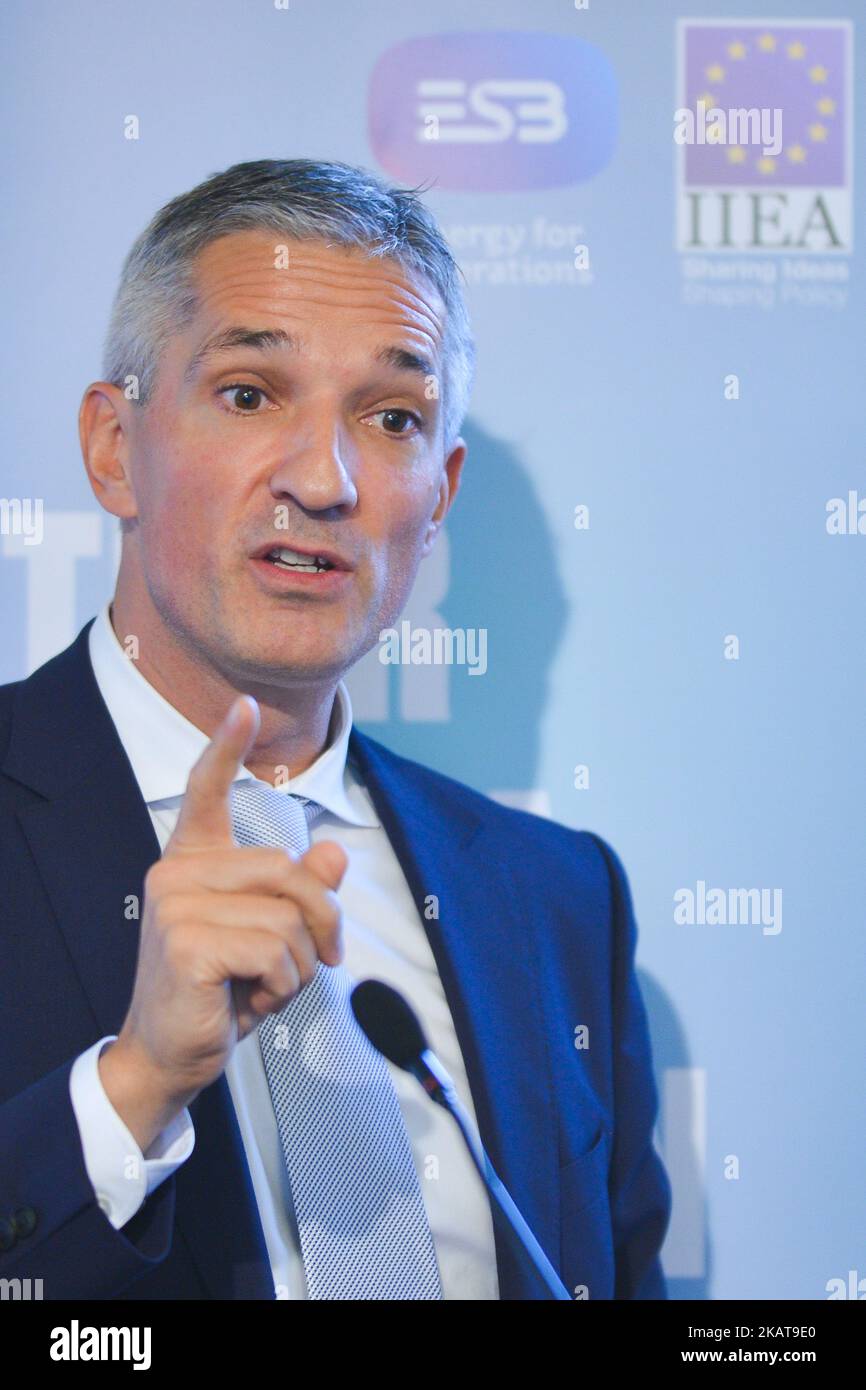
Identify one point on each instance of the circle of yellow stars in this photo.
(816, 132)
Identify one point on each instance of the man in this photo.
(200, 854)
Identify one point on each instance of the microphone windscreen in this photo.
(389, 1022)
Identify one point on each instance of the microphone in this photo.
(394, 1029)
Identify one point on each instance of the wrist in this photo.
(137, 1091)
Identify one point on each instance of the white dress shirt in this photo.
(383, 936)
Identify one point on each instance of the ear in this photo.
(448, 489)
(104, 422)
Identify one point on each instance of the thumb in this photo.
(328, 861)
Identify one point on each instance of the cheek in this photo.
(176, 509)
(399, 552)
(403, 513)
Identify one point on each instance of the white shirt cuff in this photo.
(121, 1175)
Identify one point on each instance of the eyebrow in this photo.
(260, 339)
(268, 339)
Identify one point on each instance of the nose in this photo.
(316, 464)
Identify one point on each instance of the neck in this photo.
(295, 723)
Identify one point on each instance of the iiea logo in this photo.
(493, 111)
(768, 164)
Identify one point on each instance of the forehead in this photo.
(260, 273)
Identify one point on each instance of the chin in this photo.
(280, 662)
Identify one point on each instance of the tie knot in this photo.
(262, 815)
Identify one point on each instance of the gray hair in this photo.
(301, 199)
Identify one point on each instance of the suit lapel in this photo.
(93, 841)
(482, 943)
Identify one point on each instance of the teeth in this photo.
(296, 560)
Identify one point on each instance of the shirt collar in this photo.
(162, 744)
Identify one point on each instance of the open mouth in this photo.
(294, 560)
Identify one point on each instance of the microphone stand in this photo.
(438, 1084)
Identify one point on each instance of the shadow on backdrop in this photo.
(688, 1244)
(503, 578)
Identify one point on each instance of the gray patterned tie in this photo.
(360, 1214)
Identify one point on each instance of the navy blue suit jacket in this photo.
(535, 936)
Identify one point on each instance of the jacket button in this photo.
(25, 1221)
(8, 1235)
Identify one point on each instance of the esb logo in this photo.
(504, 110)
(493, 111)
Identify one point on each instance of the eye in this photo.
(401, 415)
(246, 397)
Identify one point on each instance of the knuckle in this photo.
(172, 873)
(288, 917)
(276, 953)
(158, 878)
(170, 911)
(284, 971)
(285, 868)
(273, 862)
(180, 945)
(162, 915)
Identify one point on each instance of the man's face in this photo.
(319, 438)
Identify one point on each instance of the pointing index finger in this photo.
(205, 816)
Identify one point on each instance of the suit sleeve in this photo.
(640, 1192)
(121, 1176)
(51, 1225)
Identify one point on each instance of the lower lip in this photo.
(314, 581)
